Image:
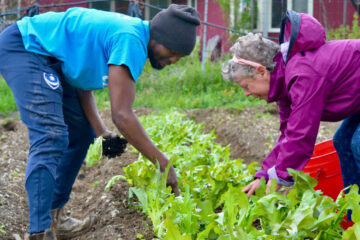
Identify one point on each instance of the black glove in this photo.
(113, 146)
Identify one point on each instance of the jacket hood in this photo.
(300, 32)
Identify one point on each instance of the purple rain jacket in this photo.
(313, 81)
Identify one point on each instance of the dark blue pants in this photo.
(58, 130)
(347, 144)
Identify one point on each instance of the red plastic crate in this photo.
(324, 166)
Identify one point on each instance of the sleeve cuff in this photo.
(262, 173)
(272, 175)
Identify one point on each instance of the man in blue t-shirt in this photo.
(52, 62)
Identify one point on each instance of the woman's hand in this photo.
(251, 188)
(269, 186)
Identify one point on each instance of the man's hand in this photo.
(113, 145)
(172, 181)
(251, 188)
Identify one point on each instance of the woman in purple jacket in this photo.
(311, 80)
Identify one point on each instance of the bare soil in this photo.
(250, 133)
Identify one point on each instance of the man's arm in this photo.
(122, 95)
(88, 104)
(112, 144)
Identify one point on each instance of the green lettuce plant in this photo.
(94, 152)
(211, 204)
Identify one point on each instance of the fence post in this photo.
(204, 37)
(265, 20)
(252, 14)
(2, 18)
(344, 16)
(2, 5)
(19, 7)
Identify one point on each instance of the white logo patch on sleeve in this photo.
(105, 80)
(51, 80)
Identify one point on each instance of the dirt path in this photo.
(250, 133)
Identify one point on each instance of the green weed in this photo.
(7, 102)
(15, 174)
(2, 229)
(95, 184)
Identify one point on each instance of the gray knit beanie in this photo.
(175, 28)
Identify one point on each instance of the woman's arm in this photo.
(270, 160)
(308, 93)
(299, 127)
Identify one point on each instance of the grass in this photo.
(182, 85)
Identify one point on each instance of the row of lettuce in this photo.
(211, 204)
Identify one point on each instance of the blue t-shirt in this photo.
(86, 41)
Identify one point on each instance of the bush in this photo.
(347, 32)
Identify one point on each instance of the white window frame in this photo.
(147, 9)
(289, 7)
(112, 6)
(189, 3)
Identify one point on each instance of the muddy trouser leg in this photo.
(347, 144)
(38, 94)
(81, 135)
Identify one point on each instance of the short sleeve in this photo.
(127, 49)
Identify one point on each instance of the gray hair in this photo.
(252, 47)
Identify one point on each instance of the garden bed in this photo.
(250, 133)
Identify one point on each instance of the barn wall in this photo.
(215, 15)
(330, 13)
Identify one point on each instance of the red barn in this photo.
(331, 13)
